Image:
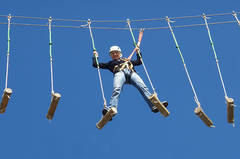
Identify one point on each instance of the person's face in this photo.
(115, 55)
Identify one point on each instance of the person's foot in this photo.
(154, 108)
(105, 110)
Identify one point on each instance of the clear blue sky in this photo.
(135, 132)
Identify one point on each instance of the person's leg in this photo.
(118, 81)
(136, 81)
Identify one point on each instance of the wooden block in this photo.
(54, 102)
(106, 117)
(154, 99)
(5, 98)
(200, 113)
(230, 109)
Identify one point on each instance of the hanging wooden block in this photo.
(5, 98)
(230, 109)
(106, 117)
(200, 113)
(154, 99)
(53, 105)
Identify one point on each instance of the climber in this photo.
(124, 73)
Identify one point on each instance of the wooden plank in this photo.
(104, 120)
(54, 102)
(230, 109)
(154, 99)
(5, 98)
(200, 113)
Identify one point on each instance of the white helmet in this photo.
(114, 48)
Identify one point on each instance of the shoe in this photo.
(154, 108)
(105, 110)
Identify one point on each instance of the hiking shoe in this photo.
(154, 108)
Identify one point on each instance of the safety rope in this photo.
(184, 64)
(235, 15)
(8, 50)
(50, 51)
(138, 52)
(138, 44)
(96, 58)
(119, 21)
(215, 54)
(114, 28)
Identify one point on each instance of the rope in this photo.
(235, 15)
(185, 66)
(215, 54)
(8, 50)
(99, 73)
(121, 21)
(112, 28)
(145, 69)
(50, 51)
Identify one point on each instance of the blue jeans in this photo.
(127, 77)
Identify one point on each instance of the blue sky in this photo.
(135, 132)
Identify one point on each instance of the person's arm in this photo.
(138, 60)
(94, 62)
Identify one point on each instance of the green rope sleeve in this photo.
(93, 43)
(8, 50)
(215, 54)
(130, 28)
(134, 41)
(50, 37)
(185, 66)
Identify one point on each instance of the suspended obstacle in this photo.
(200, 113)
(54, 102)
(230, 110)
(103, 121)
(229, 101)
(154, 99)
(106, 117)
(5, 98)
(55, 96)
(7, 91)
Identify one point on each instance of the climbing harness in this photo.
(127, 64)
(153, 98)
(7, 91)
(230, 101)
(127, 61)
(96, 59)
(198, 111)
(55, 96)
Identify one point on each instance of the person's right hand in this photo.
(95, 53)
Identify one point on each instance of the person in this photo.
(124, 73)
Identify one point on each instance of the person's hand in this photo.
(126, 59)
(95, 53)
(137, 49)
